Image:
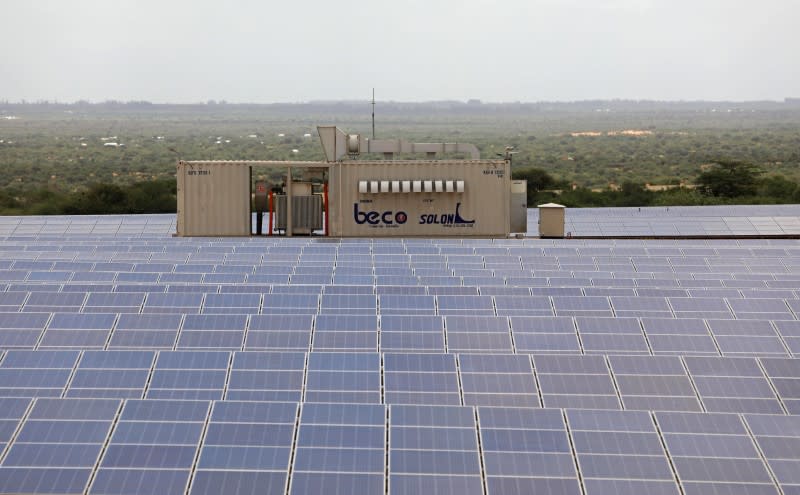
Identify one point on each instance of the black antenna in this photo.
(373, 113)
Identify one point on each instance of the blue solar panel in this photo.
(173, 302)
(449, 454)
(703, 455)
(407, 304)
(127, 299)
(420, 379)
(338, 444)
(215, 322)
(59, 443)
(189, 375)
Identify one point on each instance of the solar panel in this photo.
(291, 303)
(654, 383)
(523, 306)
(345, 332)
(340, 448)
(343, 377)
(489, 380)
(42, 373)
(266, 376)
(57, 446)
(12, 411)
(407, 304)
(746, 337)
(612, 336)
(760, 308)
(193, 375)
(713, 451)
(620, 451)
(412, 333)
(55, 301)
(117, 302)
(784, 375)
(465, 305)
(705, 307)
(461, 339)
(212, 331)
(575, 381)
(421, 379)
(732, 385)
(526, 451)
(111, 374)
(581, 306)
(348, 304)
(433, 448)
(777, 438)
(247, 448)
(140, 456)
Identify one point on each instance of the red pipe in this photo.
(270, 213)
(325, 199)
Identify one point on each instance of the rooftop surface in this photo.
(132, 361)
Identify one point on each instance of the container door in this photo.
(519, 206)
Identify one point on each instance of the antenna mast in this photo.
(373, 113)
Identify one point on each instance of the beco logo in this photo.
(378, 217)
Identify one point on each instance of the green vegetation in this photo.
(724, 182)
(51, 154)
(96, 199)
(729, 179)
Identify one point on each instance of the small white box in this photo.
(362, 187)
(373, 186)
(406, 186)
(428, 186)
(448, 186)
(439, 185)
(385, 186)
(395, 186)
(417, 186)
(460, 186)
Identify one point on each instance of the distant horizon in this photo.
(471, 101)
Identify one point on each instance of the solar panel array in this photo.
(754, 220)
(135, 362)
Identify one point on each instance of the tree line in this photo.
(159, 196)
(724, 182)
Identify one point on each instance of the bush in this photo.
(98, 199)
(729, 179)
(537, 180)
(152, 197)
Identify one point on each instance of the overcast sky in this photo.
(409, 50)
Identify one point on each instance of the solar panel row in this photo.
(406, 332)
(663, 383)
(687, 220)
(160, 446)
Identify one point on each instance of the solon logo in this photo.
(377, 217)
(445, 218)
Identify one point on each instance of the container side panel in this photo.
(214, 200)
(482, 209)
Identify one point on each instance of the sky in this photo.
(265, 51)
